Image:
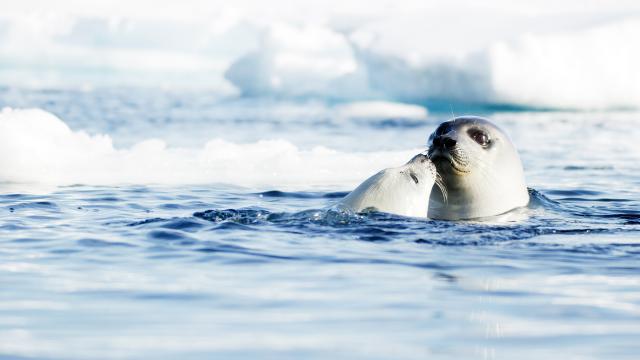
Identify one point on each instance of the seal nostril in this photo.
(437, 142)
(449, 142)
(444, 142)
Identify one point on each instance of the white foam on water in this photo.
(37, 147)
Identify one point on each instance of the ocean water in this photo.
(141, 224)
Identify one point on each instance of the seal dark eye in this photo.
(479, 136)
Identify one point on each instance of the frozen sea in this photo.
(139, 224)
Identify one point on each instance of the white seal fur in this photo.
(402, 190)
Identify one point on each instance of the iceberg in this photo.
(39, 148)
(525, 55)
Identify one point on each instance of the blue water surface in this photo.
(145, 271)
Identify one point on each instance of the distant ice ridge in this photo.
(37, 147)
(594, 68)
(379, 110)
(524, 54)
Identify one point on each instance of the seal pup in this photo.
(480, 169)
(402, 190)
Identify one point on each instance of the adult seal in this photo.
(403, 190)
(480, 169)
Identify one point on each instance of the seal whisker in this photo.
(442, 187)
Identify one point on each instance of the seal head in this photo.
(403, 190)
(480, 169)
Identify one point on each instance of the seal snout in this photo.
(447, 154)
(444, 142)
(442, 146)
(420, 158)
